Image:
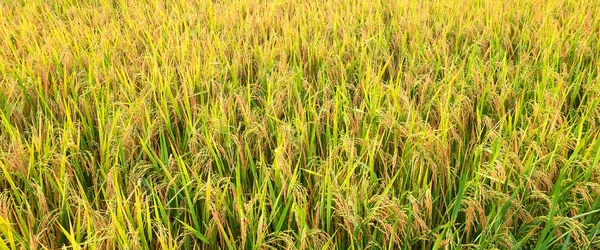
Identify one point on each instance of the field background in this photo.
(292, 124)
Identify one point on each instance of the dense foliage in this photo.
(299, 124)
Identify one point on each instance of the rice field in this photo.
(293, 124)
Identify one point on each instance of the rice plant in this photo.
(293, 124)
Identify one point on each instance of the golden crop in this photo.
(293, 124)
